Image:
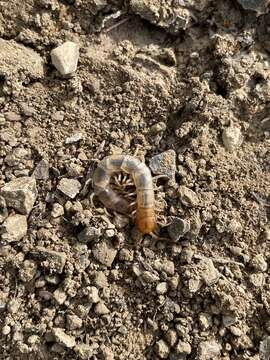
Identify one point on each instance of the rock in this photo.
(162, 349)
(69, 187)
(28, 270)
(53, 260)
(171, 337)
(126, 255)
(73, 322)
(14, 228)
(166, 265)
(3, 209)
(158, 128)
(183, 348)
(92, 294)
(57, 210)
(205, 321)
(89, 234)
(260, 6)
(6, 330)
(33, 339)
(101, 308)
(164, 164)
(188, 197)
(59, 296)
(208, 350)
(258, 263)
(62, 338)
(13, 306)
(232, 138)
(186, 255)
(257, 279)
(12, 116)
(104, 252)
(84, 351)
(27, 110)
(100, 280)
(149, 277)
(41, 171)
(18, 61)
(209, 273)
(178, 228)
(20, 194)
(162, 288)
(265, 348)
(74, 138)
(65, 57)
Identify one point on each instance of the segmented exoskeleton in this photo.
(145, 202)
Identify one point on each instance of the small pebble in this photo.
(65, 57)
(162, 349)
(162, 288)
(178, 228)
(232, 138)
(104, 252)
(6, 330)
(188, 197)
(74, 138)
(92, 294)
(100, 280)
(59, 296)
(89, 234)
(101, 309)
(12, 116)
(62, 338)
(14, 228)
(265, 348)
(258, 263)
(183, 348)
(57, 210)
(69, 187)
(41, 171)
(164, 164)
(73, 322)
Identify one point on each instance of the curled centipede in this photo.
(141, 175)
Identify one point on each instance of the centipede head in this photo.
(146, 220)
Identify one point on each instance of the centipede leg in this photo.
(92, 200)
(159, 238)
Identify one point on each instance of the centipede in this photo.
(145, 218)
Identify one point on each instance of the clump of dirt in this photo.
(186, 86)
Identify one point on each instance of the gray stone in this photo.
(14, 228)
(41, 171)
(62, 338)
(101, 309)
(232, 138)
(57, 210)
(208, 350)
(20, 61)
(73, 322)
(188, 197)
(126, 255)
(265, 348)
(209, 273)
(100, 280)
(260, 6)
(69, 187)
(3, 209)
(53, 260)
(178, 228)
(258, 263)
(65, 57)
(165, 265)
(84, 351)
(104, 252)
(89, 234)
(74, 138)
(164, 164)
(162, 349)
(20, 194)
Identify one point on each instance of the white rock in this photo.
(232, 138)
(65, 57)
(14, 228)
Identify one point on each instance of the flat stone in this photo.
(100, 280)
(74, 138)
(232, 138)
(260, 6)
(3, 209)
(89, 234)
(183, 348)
(164, 164)
(178, 228)
(69, 187)
(12, 116)
(20, 194)
(20, 61)
(188, 197)
(14, 228)
(209, 273)
(62, 338)
(59, 296)
(73, 322)
(104, 252)
(208, 350)
(65, 57)
(53, 260)
(41, 171)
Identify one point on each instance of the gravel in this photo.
(65, 57)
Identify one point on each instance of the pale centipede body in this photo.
(145, 202)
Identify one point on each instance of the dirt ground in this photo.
(186, 86)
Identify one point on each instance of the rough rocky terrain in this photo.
(186, 85)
